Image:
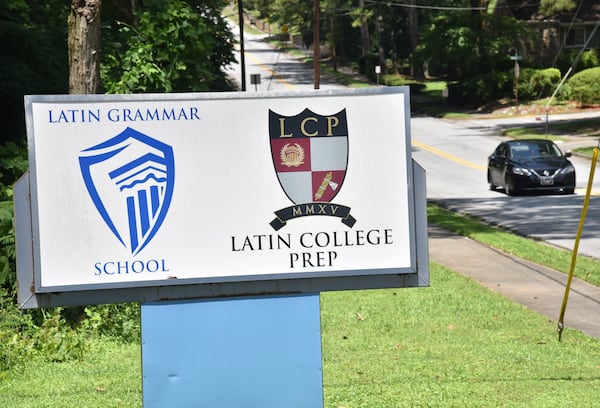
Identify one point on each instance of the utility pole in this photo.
(517, 70)
(316, 43)
(242, 56)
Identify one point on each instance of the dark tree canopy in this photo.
(33, 57)
(189, 42)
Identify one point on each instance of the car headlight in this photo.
(520, 171)
(568, 169)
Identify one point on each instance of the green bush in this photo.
(15, 346)
(13, 163)
(481, 89)
(564, 93)
(21, 338)
(367, 64)
(47, 333)
(585, 86)
(538, 83)
(588, 59)
(117, 321)
(56, 341)
(533, 84)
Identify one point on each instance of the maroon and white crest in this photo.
(310, 156)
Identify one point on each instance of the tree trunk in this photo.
(380, 49)
(413, 30)
(364, 31)
(476, 25)
(332, 44)
(84, 46)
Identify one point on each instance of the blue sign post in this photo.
(239, 352)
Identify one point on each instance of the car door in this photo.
(497, 165)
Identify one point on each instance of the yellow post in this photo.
(576, 246)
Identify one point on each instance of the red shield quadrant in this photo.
(310, 156)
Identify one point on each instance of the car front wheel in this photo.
(489, 179)
(510, 188)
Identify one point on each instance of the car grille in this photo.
(546, 172)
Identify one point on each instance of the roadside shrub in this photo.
(367, 64)
(22, 338)
(117, 321)
(13, 159)
(56, 340)
(585, 86)
(13, 324)
(538, 83)
(7, 243)
(533, 84)
(588, 59)
(481, 89)
(564, 93)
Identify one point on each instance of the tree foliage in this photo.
(553, 7)
(34, 55)
(174, 46)
(455, 45)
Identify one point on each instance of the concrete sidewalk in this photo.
(536, 287)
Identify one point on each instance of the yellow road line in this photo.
(448, 156)
(274, 74)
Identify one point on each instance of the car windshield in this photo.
(534, 150)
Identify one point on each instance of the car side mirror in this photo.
(568, 154)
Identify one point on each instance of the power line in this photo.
(564, 42)
(446, 8)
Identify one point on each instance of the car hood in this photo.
(543, 163)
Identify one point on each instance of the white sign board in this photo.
(153, 190)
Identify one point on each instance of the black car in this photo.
(530, 165)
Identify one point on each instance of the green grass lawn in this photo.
(588, 151)
(558, 131)
(108, 376)
(587, 268)
(434, 88)
(453, 344)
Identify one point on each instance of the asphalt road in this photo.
(278, 71)
(454, 155)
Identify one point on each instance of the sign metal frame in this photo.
(31, 294)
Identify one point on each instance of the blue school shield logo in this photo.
(130, 180)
